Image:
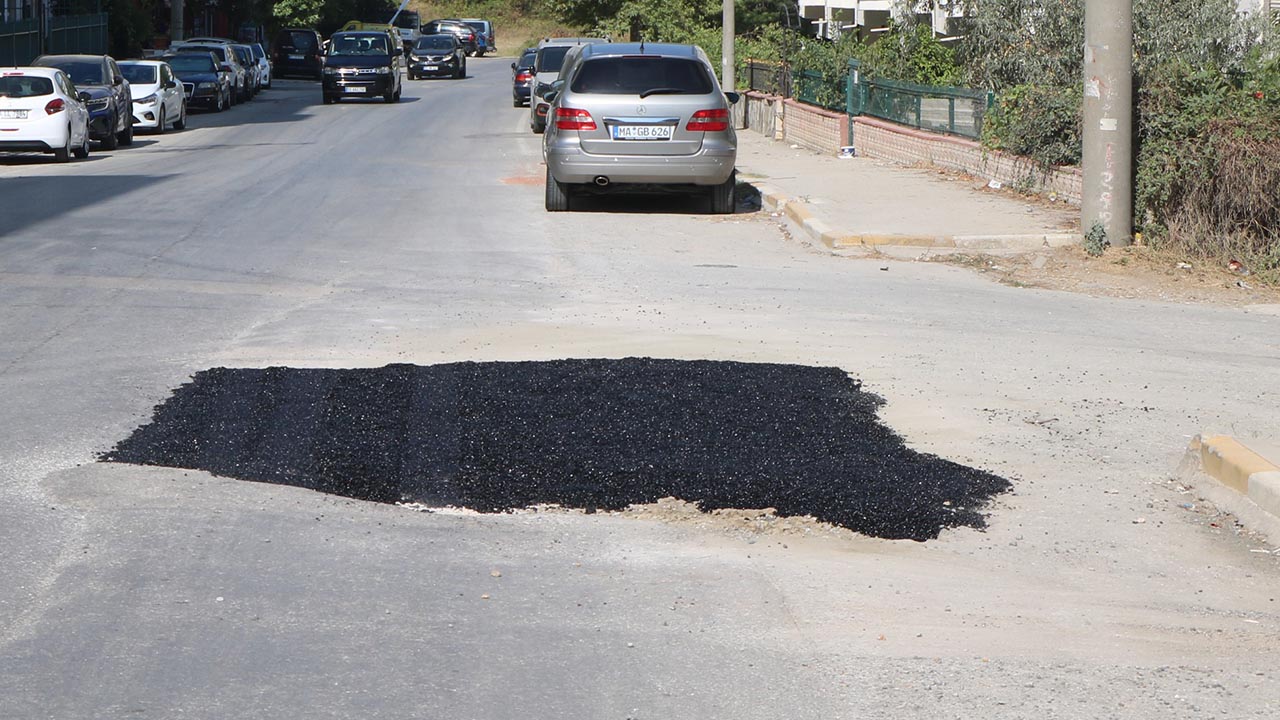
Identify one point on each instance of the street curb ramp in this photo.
(1238, 479)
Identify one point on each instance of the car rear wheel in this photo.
(558, 194)
(63, 154)
(82, 152)
(723, 201)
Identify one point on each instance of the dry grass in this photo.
(515, 30)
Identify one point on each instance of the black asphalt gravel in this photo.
(579, 433)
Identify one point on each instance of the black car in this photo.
(297, 51)
(522, 77)
(437, 56)
(241, 82)
(110, 105)
(465, 33)
(361, 64)
(203, 79)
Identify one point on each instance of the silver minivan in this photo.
(640, 117)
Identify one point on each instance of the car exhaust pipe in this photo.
(601, 181)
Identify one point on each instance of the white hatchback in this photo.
(158, 98)
(41, 111)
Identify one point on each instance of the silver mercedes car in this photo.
(640, 117)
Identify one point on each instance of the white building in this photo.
(867, 17)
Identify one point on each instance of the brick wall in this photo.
(813, 127)
(889, 141)
(826, 131)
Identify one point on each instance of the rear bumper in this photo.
(709, 166)
(31, 145)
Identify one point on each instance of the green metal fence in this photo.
(78, 34)
(955, 111)
(19, 41)
(814, 88)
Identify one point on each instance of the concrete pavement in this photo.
(863, 202)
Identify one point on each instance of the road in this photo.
(285, 232)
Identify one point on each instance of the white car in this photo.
(41, 111)
(158, 98)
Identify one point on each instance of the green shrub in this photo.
(1036, 121)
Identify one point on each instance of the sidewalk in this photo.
(862, 202)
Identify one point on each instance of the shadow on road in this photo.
(31, 200)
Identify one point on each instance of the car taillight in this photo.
(716, 120)
(524, 77)
(574, 119)
(55, 106)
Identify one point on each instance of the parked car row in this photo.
(60, 104)
(630, 117)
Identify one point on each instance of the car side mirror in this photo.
(513, 66)
(171, 84)
(117, 80)
(83, 96)
(732, 97)
(225, 67)
(551, 96)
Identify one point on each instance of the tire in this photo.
(398, 91)
(181, 122)
(515, 102)
(127, 140)
(390, 97)
(82, 152)
(221, 104)
(557, 196)
(539, 127)
(329, 99)
(160, 126)
(63, 154)
(723, 197)
(412, 76)
(111, 141)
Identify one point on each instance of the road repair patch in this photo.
(606, 434)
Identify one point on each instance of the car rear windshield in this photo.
(80, 71)
(435, 42)
(642, 76)
(192, 63)
(301, 41)
(349, 45)
(477, 26)
(141, 74)
(551, 58)
(21, 86)
(258, 52)
(526, 60)
(245, 55)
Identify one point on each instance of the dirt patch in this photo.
(1133, 272)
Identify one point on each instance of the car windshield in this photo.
(140, 74)
(642, 76)
(82, 72)
(21, 86)
(192, 63)
(526, 60)
(348, 45)
(435, 42)
(551, 58)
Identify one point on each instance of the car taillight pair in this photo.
(55, 106)
(715, 120)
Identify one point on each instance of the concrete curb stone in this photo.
(1239, 468)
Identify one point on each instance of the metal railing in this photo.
(769, 77)
(20, 40)
(950, 110)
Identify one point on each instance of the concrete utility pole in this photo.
(1108, 120)
(176, 20)
(726, 47)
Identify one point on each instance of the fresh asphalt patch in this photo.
(499, 436)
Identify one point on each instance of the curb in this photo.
(798, 212)
(1242, 470)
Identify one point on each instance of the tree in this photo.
(298, 13)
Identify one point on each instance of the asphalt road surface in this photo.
(288, 233)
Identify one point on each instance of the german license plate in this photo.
(295, 57)
(432, 67)
(641, 132)
(354, 89)
(13, 114)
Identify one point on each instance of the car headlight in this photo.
(413, 57)
(148, 100)
(206, 86)
(384, 70)
(330, 71)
